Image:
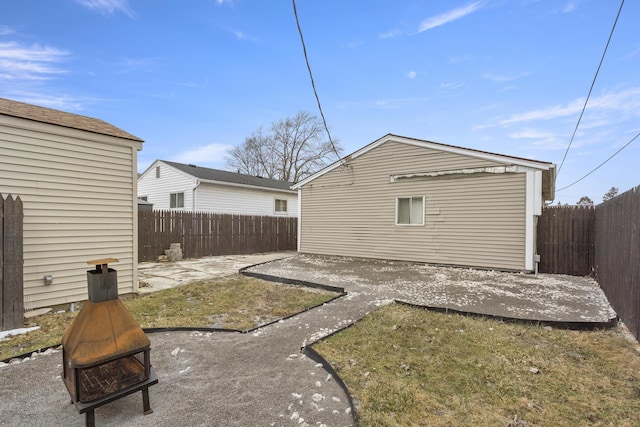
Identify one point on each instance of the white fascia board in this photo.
(253, 187)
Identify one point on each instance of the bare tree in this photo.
(292, 150)
(613, 192)
(585, 200)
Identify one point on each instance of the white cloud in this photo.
(530, 134)
(540, 139)
(240, 35)
(107, 7)
(445, 18)
(412, 74)
(503, 78)
(626, 102)
(389, 34)
(205, 154)
(35, 62)
(383, 104)
(127, 65)
(59, 102)
(570, 7)
(6, 30)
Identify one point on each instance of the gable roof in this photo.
(548, 168)
(520, 161)
(221, 176)
(21, 110)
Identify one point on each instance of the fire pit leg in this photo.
(146, 406)
(90, 419)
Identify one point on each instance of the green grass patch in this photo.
(410, 367)
(234, 302)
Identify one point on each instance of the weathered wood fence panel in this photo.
(11, 263)
(207, 234)
(604, 242)
(617, 255)
(566, 240)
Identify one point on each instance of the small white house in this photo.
(186, 187)
(76, 177)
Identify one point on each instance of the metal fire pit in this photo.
(105, 352)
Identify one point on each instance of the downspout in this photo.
(193, 197)
(299, 217)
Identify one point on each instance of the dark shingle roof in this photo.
(208, 174)
(55, 117)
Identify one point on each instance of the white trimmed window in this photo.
(280, 206)
(176, 200)
(410, 210)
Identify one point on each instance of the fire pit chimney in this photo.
(105, 352)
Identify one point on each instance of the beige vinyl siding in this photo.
(78, 192)
(475, 220)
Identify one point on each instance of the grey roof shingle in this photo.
(208, 174)
(22, 110)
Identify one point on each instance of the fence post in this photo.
(11, 264)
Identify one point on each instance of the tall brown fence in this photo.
(604, 242)
(11, 262)
(617, 255)
(566, 240)
(206, 234)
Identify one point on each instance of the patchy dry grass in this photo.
(410, 367)
(234, 302)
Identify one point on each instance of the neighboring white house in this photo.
(408, 199)
(76, 177)
(171, 185)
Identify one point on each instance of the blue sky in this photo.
(193, 78)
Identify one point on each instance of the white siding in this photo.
(210, 197)
(243, 201)
(79, 196)
(475, 220)
(171, 180)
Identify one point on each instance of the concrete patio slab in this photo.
(155, 276)
(550, 298)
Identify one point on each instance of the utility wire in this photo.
(601, 164)
(590, 89)
(304, 49)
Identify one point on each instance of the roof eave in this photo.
(234, 184)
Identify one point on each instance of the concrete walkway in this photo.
(262, 379)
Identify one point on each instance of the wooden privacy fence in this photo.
(617, 255)
(11, 261)
(206, 234)
(566, 240)
(602, 241)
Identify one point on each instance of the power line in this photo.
(593, 82)
(601, 164)
(313, 84)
